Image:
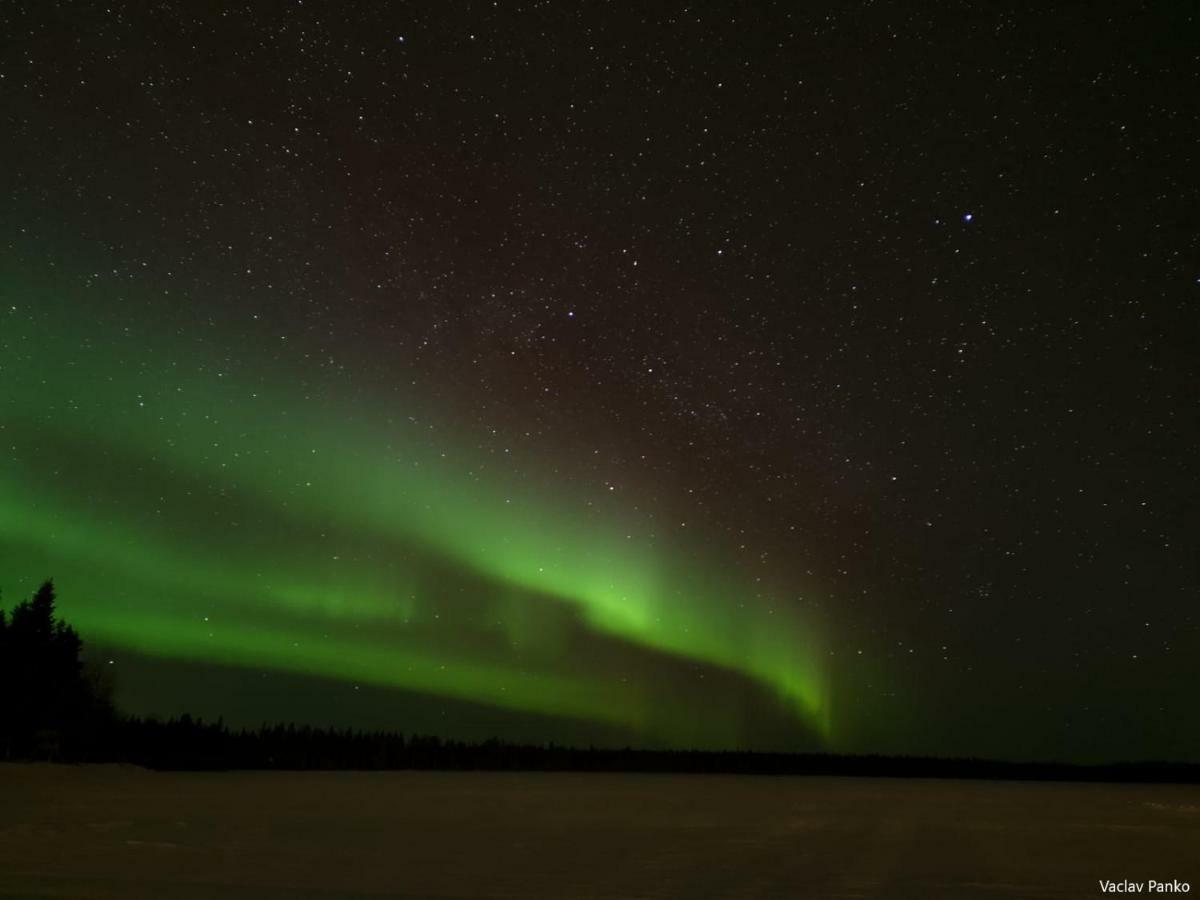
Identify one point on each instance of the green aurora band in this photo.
(242, 515)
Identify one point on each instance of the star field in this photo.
(735, 375)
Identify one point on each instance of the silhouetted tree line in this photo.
(53, 707)
(186, 743)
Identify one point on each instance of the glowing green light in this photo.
(313, 532)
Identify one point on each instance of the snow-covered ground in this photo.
(122, 832)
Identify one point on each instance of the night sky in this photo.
(757, 375)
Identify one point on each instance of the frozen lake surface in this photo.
(122, 832)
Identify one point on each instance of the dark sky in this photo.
(748, 374)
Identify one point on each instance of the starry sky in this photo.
(726, 375)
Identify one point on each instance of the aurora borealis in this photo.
(343, 552)
(721, 378)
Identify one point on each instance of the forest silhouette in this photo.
(56, 707)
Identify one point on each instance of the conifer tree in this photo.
(49, 704)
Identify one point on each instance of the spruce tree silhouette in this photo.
(7, 686)
(47, 705)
